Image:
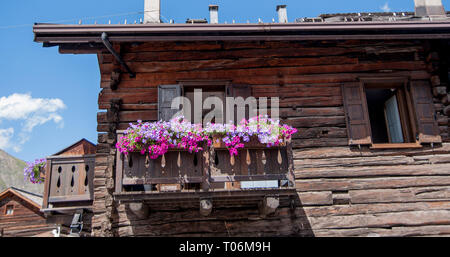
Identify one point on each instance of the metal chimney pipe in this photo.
(213, 14)
(427, 8)
(152, 11)
(282, 14)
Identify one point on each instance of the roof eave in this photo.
(57, 34)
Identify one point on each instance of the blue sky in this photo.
(48, 100)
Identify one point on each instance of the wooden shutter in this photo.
(166, 93)
(357, 115)
(427, 127)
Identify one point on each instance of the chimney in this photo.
(282, 14)
(213, 14)
(429, 8)
(152, 11)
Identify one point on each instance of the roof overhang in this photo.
(21, 196)
(90, 35)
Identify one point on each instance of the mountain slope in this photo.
(11, 174)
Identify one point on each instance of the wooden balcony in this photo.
(182, 179)
(69, 179)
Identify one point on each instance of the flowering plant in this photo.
(157, 137)
(32, 171)
(268, 132)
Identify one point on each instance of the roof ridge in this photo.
(24, 191)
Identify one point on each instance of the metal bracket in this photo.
(77, 223)
(108, 45)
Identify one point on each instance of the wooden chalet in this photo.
(368, 93)
(20, 214)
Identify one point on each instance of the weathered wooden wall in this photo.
(25, 221)
(343, 191)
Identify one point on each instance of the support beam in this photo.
(269, 205)
(141, 210)
(110, 48)
(206, 207)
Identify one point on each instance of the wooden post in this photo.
(141, 210)
(206, 207)
(291, 169)
(269, 205)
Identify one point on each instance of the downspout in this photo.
(108, 45)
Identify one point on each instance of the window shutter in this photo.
(427, 128)
(357, 115)
(166, 93)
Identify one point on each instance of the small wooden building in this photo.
(69, 189)
(21, 215)
(368, 93)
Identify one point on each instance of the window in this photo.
(390, 112)
(217, 89)
(9, 210)
(390, 121)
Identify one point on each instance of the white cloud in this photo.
(5, 137)
(385, 7)
(32, 111)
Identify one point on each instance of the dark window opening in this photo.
(389, 115)
(192, 186)
(207, 91)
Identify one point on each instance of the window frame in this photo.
(9, 207)
(410, 104)
(407, 116)
(226, 84)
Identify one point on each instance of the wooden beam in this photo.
(206, 207)
(81, 48)
(269, 205)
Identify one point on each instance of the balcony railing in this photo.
(182, 176)
(69, 182)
